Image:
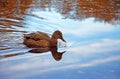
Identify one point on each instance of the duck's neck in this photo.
(53, 41)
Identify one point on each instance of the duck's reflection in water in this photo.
(56, 55)
(54, 51)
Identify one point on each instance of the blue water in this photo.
(92, 50)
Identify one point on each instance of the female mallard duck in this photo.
(41, 39)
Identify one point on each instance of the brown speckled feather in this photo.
(40, 39)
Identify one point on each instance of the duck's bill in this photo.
(63, 40)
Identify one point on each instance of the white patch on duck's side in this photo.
(61, 45)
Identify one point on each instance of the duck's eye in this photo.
(27, 37)
(60, 35)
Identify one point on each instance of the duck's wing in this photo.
(37, 36)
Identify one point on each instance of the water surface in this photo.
(90, 27)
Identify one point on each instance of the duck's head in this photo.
(58, 35)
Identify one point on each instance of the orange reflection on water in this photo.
(105, 10)
(10, 8)
(102, 10)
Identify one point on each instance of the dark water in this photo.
(90, 27)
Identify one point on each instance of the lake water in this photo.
(90, 27)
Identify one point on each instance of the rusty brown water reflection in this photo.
(91, 28)
(107, 11)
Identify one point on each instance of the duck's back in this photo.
(38, 39)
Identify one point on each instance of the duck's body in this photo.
(41, 39)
